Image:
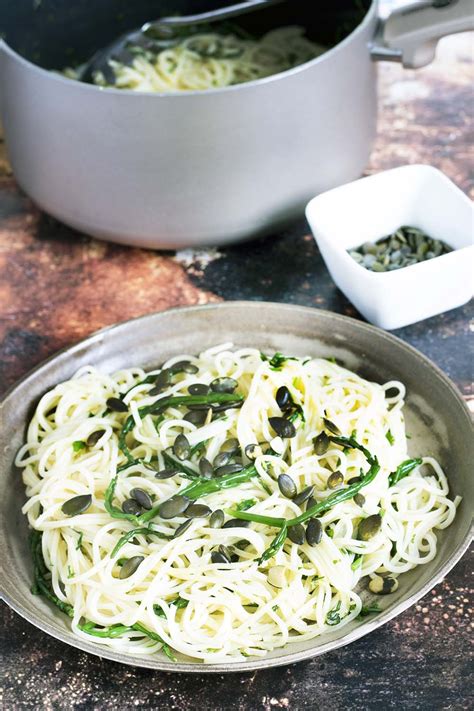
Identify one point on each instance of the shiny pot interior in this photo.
(59, 33)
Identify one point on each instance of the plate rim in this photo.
(158, 664)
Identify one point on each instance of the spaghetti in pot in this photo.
(210, 60)
(270, 487)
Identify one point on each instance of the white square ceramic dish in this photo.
(373, 207)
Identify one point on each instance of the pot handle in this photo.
(410, 34)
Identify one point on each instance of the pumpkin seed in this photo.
(142, 498)
(277, 576)
(94, 437)
(252, 451)
(205, 468)
(76, 505)
(198, 389)
(334, 480)
(383, 586)
(197, 511)
(225, 551)
(303, 495)
(197, 417)
(321, 444)
(296, 534)
(196, 407)
(236, 523)
(182, 528)
(219, 558)
(116, 405)
(287, 486)
(314, 532)
(331, 426)
(354, 480)
(173, 507)
(231, 445)
(224, 385)
(283, 398)
(369, 526)
(359, 499)
(184, 366)
(222, 459)
(368, 248)
(356, 256)
(368, 261)
(228, 469)
(181, 447)
(130, 506)
(283, 427)
(162, 381)
(165, 474)
(130, 566)
(217, 519)
(405, 247)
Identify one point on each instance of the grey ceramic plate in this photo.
(437, 419)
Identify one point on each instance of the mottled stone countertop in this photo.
(57, 286)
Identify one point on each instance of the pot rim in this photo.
(82, 86)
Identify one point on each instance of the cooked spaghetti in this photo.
(224, 505)
(210, 60)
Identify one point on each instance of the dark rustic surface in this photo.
(57, 286)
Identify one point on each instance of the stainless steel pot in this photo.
(200, 167)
